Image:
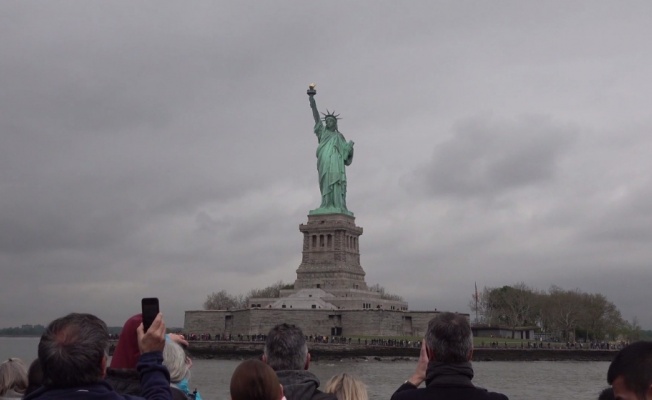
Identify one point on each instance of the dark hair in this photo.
(254, 380)
(34, 377)
(634, 364)
(607, 394)
(71, 350)
(285, 348)
(449, 336)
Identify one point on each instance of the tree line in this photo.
(568, 314)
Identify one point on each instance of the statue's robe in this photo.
(333, 154)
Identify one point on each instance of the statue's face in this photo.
(331, 123)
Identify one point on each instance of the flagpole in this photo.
(476, 302)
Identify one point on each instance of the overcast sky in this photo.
(165, 149)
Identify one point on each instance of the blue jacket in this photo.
(154, 378)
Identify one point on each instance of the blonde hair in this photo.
(346, 387)
(13, 376)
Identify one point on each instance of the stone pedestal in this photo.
(331, 255)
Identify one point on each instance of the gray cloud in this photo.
(488, 158)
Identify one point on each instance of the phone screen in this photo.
(150, 311)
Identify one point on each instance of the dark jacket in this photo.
(447, 382)
(301, 385)
(155, 382)
(124, 380)
(127, 381)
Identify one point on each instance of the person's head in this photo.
(13, 376)
(606, 394)
(286, 349)
(449, 338)
(346, 387)
(255, 380)
(176, 361)
(34, 377)
(72, 351)
(630, 372)
(127, 353)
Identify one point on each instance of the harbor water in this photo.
(532, 380)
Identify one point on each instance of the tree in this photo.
(222, 300)
(564, 311)
(600, 317)
(568, 313)
(273, 290)
(384, 294)
(633, 331)
(514, 306)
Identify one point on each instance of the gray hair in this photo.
(174, 358)
(71, 351)
(450, 337)
(285, 348)
(13, 376)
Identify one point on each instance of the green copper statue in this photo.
(333, 153)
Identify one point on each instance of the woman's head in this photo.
(255, 380)
(176, 361)
(13, 376)
(346, 387)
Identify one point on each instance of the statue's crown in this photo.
(330, 115)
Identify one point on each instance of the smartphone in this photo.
(150, 311)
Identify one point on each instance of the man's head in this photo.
(449, 338)
(286, 349)
(630, 373)
(72, 351)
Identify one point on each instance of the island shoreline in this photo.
(331, 351)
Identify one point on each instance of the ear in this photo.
(470, 355)
(263, 358)
(282, 395)
(431, 353)
(307, 362)
(103, 365)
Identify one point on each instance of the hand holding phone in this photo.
(150, 311)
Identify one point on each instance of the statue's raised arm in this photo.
(313, 105)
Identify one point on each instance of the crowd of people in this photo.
(191, 336)
(375, 342)
(73, 364)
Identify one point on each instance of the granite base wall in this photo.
(386, 323)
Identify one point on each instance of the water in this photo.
(531, 380)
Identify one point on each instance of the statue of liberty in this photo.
(333, 154)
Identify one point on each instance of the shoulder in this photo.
(497, 396)
(319, 395)
(124, 381)
(178, 394)
(482, 393)
(407, 391)
(486, 394)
